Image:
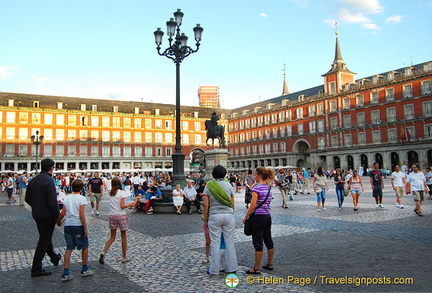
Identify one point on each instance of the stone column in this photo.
(213, 158)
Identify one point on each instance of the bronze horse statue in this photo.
(215, 131)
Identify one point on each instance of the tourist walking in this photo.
(398, 182)
(41, 195)
(355, 185)
(22, 185)
(250, 183)
(428, 177)
(118, 218)
(95, 191)
(262, 220)
(321, 187)
(416, 185)
(283, 185)
(219, 215)
(377, 184)
(339, 181)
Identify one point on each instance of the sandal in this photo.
(253, 271)
(268, 267)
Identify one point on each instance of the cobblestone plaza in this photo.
(166, 250)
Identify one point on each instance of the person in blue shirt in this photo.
(153, 194)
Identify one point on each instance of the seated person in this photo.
(178, 195)
(140, 191)
(190, 195)
(153, 194)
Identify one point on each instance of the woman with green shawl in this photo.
(219, 213)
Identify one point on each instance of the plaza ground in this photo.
(322, 248)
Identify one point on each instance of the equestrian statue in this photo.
(215, 131)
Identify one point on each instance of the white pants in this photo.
(222, 223)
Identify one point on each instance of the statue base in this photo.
(213, 158)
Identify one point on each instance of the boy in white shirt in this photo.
(75, 229)
(398, 183)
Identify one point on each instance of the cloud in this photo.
(370, 26)
(394, 19)
(368, 6)
(7, 71)
(262, 14)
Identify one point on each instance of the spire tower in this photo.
(285, 90)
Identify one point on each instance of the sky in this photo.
(105, 49)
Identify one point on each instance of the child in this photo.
(75, 229)
(118, 218)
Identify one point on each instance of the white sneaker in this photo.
(401, 206)
(397, 205)
(65, 278)
(381, 206)
(92, 212)
(378, 206)
(87, 273)
(124, 260)
(97, 213)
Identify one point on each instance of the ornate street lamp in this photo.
(177, 51)
(37, 141)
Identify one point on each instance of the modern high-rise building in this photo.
(209, 96)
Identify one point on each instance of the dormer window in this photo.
(94, 107)
(36, 104)
(115, 109)
(285, 102)
(408, 71)
(83, 107)
(136, 110)
(10, 103)
(390, 76)
(195, 114)
(60, 105)
(269, 106)
(157, 111)
(427, 67)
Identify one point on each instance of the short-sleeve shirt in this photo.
(217, 207)
(73, 202)
(417, 181)
(262, 190)
(96, 184)
(428, 177)
(320, 181)
(114, 201)
(376, 176)
(398, 178)
(339, 184)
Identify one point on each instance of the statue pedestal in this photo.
(213, 158)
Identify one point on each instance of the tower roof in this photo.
(285, 90)
(338, 63)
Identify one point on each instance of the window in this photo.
(149, 152)
(333, 123)
(321, 143)
(283, 147)
(409, 111)
(185, 138)
(136, 110)
(346, 102)
(408, 71)
(148, 137)
(267, 133)
(332, 87)
(168, 137)
(281, 118)
(49, 118)
(320, 110)
(36, 104)
(94, 151)
(72, 120)
(116, 135)
(168, 124)
(116, 151)
(116, 121)
(361, 138)
(288, 115)
(60, 119)
(299, 113)
(10, 150)
(127, 151)
(105, 121)
(410, 133)
(374, 98)
(261, 149)
(127, 136)
(59, 105)
(10, 103)
(60, 134)
(407, 91)
(312, 126)
(289, 130)
(427, 66)
(266, 119)
(36, 118)
(348, 140)
(282, 131)
(137, 136)
(84, 120)
(48, 134)
(375, 117)
(197, 125)
(83, 107)
(127, 123)
(267, 149)
(321, 125)
(332, 106)
(360, 100)
(10, 117)
(137, 122)
(347, 121)
(105, 135)
(23, 118)
(300, 128)
(72, 151)
(158, 124)
(23, 133)
(427, 109)
(72, 134)
(83, 151)
(426, 87)
(360, 119)
(390, 76)
(428, 131)
(138, 151)
(391, 114)
(392, 135)
(311, 110)
(390, 95)
(158, 137)
(115, 109)
(83, 134)
(168, 152)
(376, 136)
(59, 151)
(334, 141)
(94, 107)
(148, 123)
(197, 138)
(94, 121)
(47, 150)
(106, 151)
(22, 150)
(158, 152)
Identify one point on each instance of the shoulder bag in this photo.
(248, 227)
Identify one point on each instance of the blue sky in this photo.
(105, 49)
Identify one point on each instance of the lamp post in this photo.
(37, 140)
(177, 51)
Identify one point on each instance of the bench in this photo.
(166, 204)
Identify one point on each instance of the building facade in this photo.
(345, 123)
(92, 134)
(209, 96)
